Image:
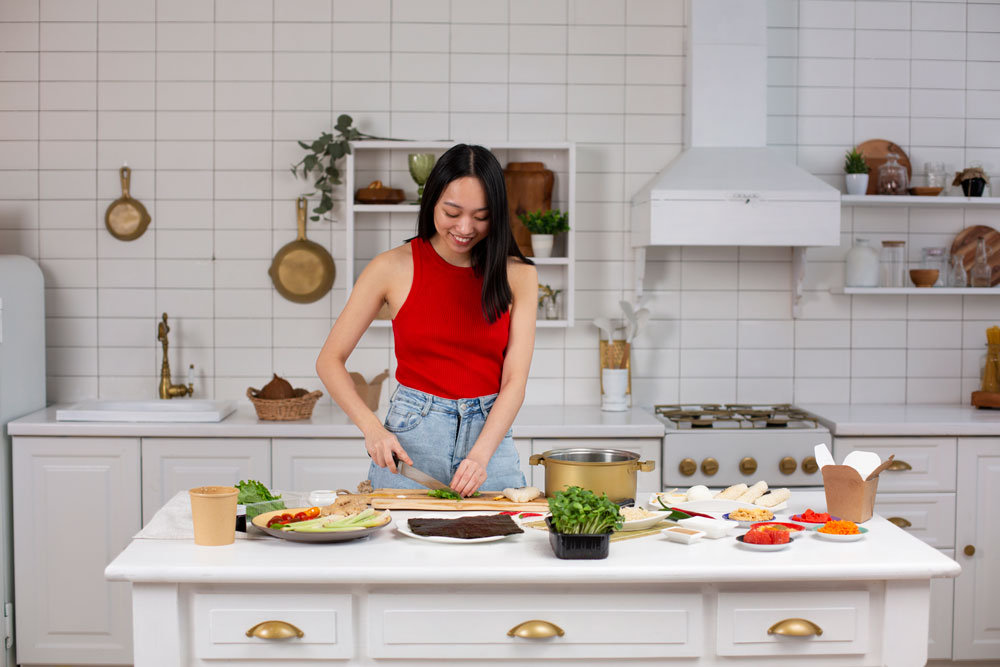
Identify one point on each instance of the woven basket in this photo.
(299, 406)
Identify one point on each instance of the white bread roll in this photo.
(732, 493)
(776, 497)
(753, 493)
(699, 492)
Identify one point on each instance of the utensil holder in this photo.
(615, 356)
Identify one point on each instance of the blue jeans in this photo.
(438, 433)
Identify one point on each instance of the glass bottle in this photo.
(861, 265)
(991, 371)
(892, 263)
(937, 258)
(981, 275)
(892, 177)
(958, 277)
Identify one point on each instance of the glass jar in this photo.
(892, 177)
(552, 306)
(892, 264)
(937, 258)
(861, 265)
(991, 371)
(981, 274)
(957, 276)
(935, 174)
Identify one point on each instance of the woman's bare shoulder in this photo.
(395, 259)
(519, 271)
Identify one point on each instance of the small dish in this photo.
(794, 529)
(762, 547)
(713, 528)
(682, 535)
(840, 538)
(642, 524)
(798, 517)
(746, 524)
(924, 277)
(926, 192)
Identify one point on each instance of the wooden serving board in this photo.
(415, 499)
(965, 244)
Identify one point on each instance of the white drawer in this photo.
(931, 516)
(744, 619)
(466, 624)
(931, 461)
(220, 622)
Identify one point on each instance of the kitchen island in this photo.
(396, 600)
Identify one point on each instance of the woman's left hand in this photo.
(468, 477)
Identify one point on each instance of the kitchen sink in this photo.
(174, 410)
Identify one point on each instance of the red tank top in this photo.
(444, 344)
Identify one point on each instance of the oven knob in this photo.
(787, 465)
(709, 466)
(809, 465)
(748, 465)
(688, 467)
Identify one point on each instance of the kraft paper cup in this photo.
(213, 510)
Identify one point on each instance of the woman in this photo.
(462, 299)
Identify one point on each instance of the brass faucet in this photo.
(168, 390)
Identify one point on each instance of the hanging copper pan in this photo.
(303, 270)
(126, 218)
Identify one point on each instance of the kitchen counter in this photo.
(328, 421)
(906, 420)
(478, 591)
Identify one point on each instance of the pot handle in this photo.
(646, 466)
(536, 459)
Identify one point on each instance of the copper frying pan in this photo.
(126, 218)
(303, 270)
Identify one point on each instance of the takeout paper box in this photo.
(848, 496)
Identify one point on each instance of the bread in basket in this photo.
(299, 406)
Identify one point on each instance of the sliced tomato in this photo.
(286, 517)
(312, 512)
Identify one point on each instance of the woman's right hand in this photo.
(381, 445)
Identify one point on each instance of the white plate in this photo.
(671, 500)
(762, 547)
(648, 522)
(839, 538)
(713, 505)
(403, 527)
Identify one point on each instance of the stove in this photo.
(723, 444)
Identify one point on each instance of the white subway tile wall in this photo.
(205, 102)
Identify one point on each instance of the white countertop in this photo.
(388, 557)
(906, 420)
(328, 421)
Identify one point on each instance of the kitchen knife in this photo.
(418, 476)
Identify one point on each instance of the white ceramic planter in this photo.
(857, 184)
(541, 244)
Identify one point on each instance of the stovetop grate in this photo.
(736, 416)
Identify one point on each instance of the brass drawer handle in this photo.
(970, 550)
(795, 627)
(536, 629)
(900, 521)
(274, 630)
(899, 466)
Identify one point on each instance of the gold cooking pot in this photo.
(610, 471)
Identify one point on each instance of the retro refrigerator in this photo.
(22, 391)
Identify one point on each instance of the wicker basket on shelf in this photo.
(300, 406)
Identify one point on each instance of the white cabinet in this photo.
(76, 506)
(372, 229)
(977, 547)
(648, 449)
(170, 465)
(300, 464)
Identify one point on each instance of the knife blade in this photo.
(418, 476)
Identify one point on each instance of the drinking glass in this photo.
(935, 174)
(421, 165)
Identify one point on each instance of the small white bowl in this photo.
(713, 528)
(682, 535)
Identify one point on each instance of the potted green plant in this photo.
(581, 523)
(856, 172)
(321, 160)
(544, 225)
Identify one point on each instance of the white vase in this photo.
(857, 184)
(615, 383)
(541, 244)
(862, 267)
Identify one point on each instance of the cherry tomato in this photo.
(300, 516)
(274, 521)
(286, 517)
(312, 512)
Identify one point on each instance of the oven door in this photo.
(719, 458)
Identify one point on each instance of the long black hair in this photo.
(489, 256)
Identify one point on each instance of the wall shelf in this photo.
(919, 291)
(912, 201)
(387, 161)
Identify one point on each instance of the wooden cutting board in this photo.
(415, 499)
(965, 245)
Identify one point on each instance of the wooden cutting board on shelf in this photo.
(965, 245)
(415, 499)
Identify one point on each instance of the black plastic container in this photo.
(973, 187)
(578, 545)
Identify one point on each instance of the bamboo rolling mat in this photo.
(621, 535)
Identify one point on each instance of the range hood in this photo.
(727, 188)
